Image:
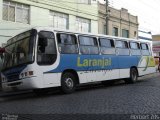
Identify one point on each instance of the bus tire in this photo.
(68, 83)
(133, 76)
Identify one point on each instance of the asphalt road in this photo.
(140, 98)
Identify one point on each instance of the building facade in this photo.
(74, 15)
(156, 44)
(120, 22)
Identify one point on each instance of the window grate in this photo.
(83, 25)
(59, 20)
(15, 12)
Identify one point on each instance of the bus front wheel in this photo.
(133, 76)
(68, 83)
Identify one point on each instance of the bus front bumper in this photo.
(23, 84)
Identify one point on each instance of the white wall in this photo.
(39, 16)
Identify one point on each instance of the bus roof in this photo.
(83, 33)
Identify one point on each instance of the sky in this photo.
(146, 10)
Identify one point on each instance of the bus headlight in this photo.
(26, 74)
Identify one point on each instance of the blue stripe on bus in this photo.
(95, 62)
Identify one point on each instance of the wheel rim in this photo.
(69, 83)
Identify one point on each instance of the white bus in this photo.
(44, 57)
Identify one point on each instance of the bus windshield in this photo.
(19, 50)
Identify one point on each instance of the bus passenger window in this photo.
(122, 47)
(46, 49)
(42, 43)
(67, 43)
(145, 49)
(135, 48)
(88, 45)
(144, 46)
(107, 46)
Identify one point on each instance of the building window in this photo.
(59, 20)
(115, 31)
(84, 2)
(125, 33)
(15, 12)
(83, 25)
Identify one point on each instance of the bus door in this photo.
(46, 55)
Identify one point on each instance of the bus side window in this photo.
(145, 49)
(122, 47)
(67, 43)
(135, 48)
(107, 46)
(46, 49)
(88, 45)
(42, 43)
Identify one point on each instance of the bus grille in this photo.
(13, 77)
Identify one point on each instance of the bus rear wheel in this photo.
(133, 76)
(68, 83)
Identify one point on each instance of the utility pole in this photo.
(107, 18)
